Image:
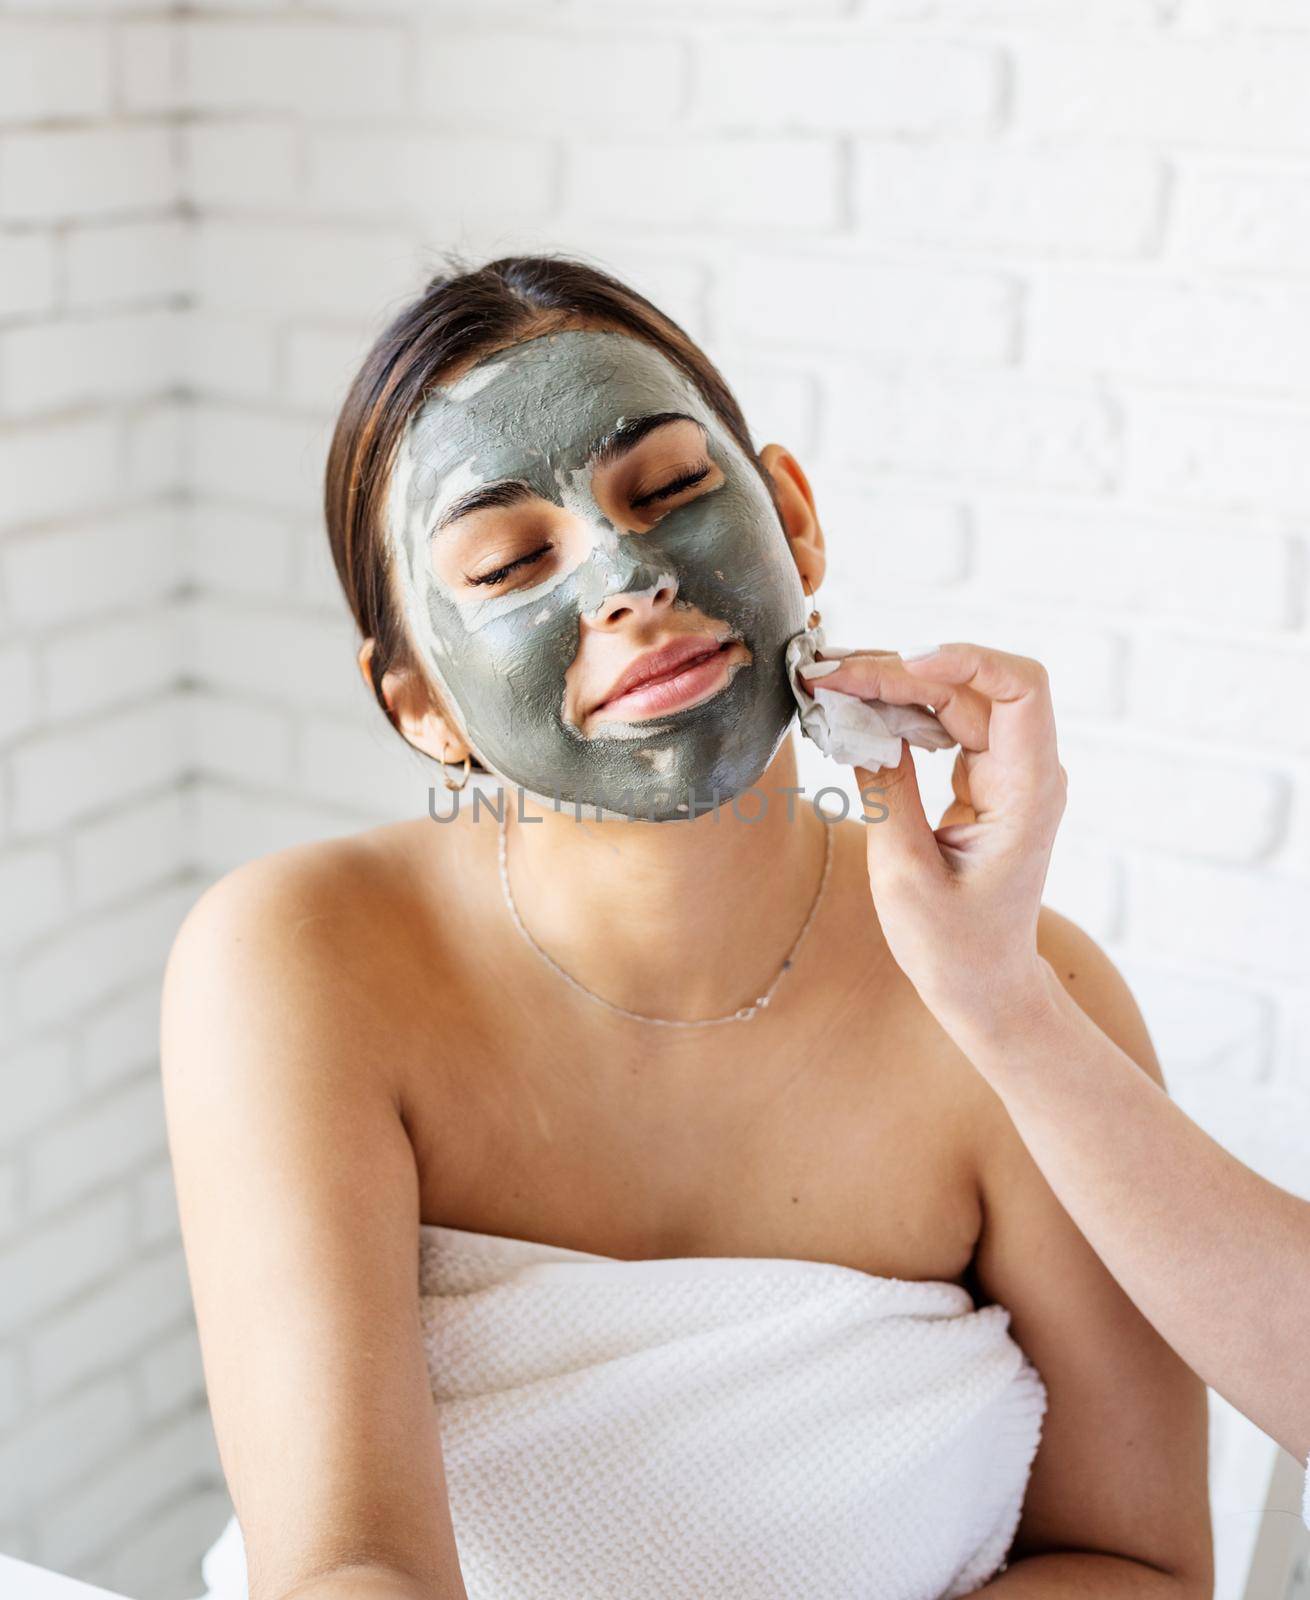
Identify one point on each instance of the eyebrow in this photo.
(608, 448)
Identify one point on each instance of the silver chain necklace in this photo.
(742, 1015)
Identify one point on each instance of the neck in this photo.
(680, 920)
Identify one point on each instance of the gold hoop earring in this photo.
(445, 776)
(814, 618)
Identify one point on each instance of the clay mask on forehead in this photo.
(717, 563)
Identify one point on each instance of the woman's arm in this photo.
(1215, 1256)
(1117, 1504)
(298, 1197)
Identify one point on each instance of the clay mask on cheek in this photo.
(532, 415)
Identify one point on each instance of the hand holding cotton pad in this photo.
(855, 732)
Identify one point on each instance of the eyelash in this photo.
(666, 492)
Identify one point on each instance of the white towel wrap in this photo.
(703, 1428)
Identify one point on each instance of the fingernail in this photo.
(919, 652)
(819, 669)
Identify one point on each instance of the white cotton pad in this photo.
(855, 732)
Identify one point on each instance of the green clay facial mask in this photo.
(536, 565)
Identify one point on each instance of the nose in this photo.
(627, 580)
(616, 608)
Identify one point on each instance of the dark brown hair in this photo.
(461, 315)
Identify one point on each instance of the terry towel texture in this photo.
(858, 733)
(710, 1427)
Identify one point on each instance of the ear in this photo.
(415, 712)
(799, 519)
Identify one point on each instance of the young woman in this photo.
(584, 1201)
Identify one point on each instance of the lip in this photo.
(668, 678)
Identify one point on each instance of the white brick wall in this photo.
(1025, 284)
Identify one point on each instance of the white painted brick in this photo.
(155, 440)
(1229, 92)
(1244, 216)
(247, 164)
(843, 82)
(1200, 1025)
(169, 1546)
(1070, 201)
(321, 364)
(129, 851)
(1166, 567)
(1108, 16)
(70, 575)
(472, 79)
(171, 1373)
(682, 182)
(10, 1393)
(149, 73)
(19, 707)
(444, 182)
(121, 1038)
(982, 429)
(156, 1200)
(10, 1207)
(146, 1475)
(96, 956)
(58, 1260)
(590, 10)
(315, 582)
(308, 270)
(109, 1326)
(310, 67)
(1189, 450)
(27, 273)
(56, 469)
(1160, 796)
(1249, 13)
(122, 263)
(259, 456)
(233, 358)
(47, 1454)
(33, 895)
(779, 402)
(76, 8)
(244, 740)
(77, 771)
(890, 536)
(1253, 336)
(1083, 882)
(99, 665)
(1243, 697)
(310, 659)
(81, 173)
(36, 1085)
(232, 828)
(1243, 922)
(852, 305)
(54, 70)
(236, 551)
(362, 762)
(58, 364)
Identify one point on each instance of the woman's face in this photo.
(563, 509)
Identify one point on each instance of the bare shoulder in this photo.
(306, 941)
(1091, 978)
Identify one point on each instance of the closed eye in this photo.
(668, 490)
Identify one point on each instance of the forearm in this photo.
(1080, 1574)
(1217, 1258)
